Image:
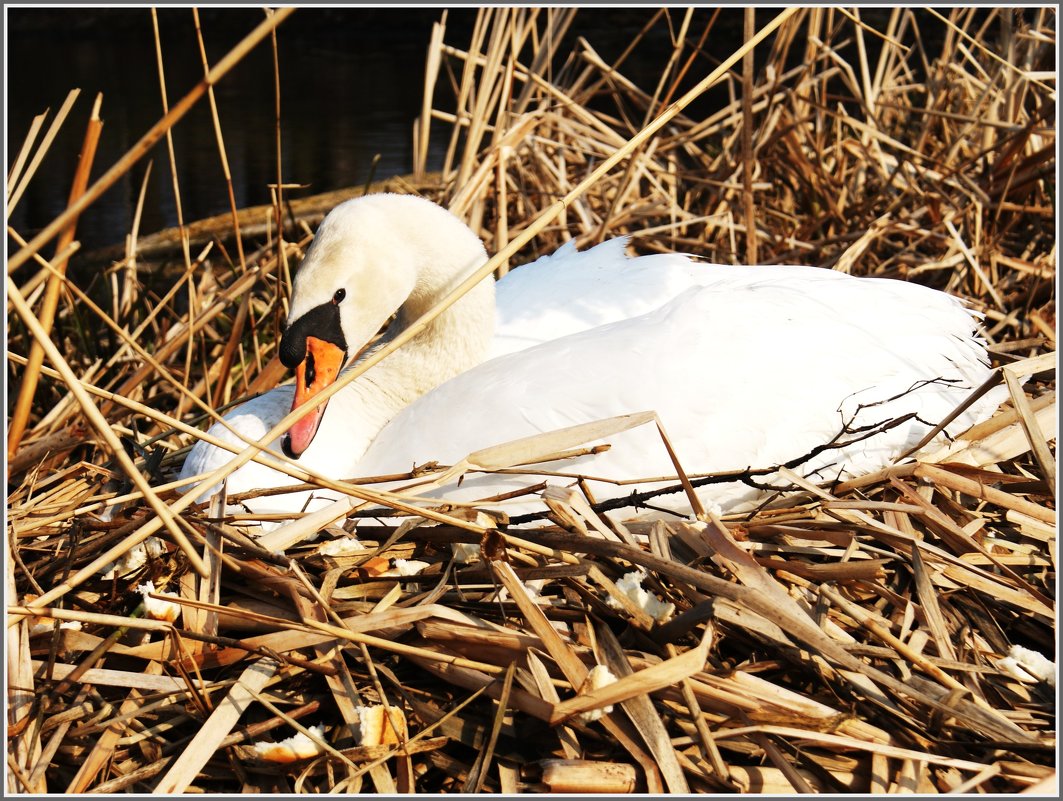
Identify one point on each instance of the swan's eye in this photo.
(341, 293)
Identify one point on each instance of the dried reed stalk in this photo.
(841, 638)
(20, 415)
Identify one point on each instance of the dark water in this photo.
(349, 91)
(351, 87)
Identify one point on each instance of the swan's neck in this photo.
(455, 341)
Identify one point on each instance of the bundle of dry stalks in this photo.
(871, 636)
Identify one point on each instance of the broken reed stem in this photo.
(27, 389)
(1038, 441)
(16, 190)
(431, 76)
(15, 173)
(185, 247)
(278, 195)
(241, 314)
(123, 300)
(221, 142)
(170, 153)
(747, 143)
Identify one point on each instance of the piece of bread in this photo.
(375, 731)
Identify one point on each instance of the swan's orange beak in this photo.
(316, 371)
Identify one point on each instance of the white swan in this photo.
(746, 367)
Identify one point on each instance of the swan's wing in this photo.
(754, 373)
(569, 291)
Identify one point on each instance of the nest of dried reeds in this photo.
(871, 636)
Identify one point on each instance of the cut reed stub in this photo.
(493, 547)
(585, 776)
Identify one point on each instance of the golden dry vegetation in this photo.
(843, 638)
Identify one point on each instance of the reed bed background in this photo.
(842, 638)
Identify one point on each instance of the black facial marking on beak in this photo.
(322, 322)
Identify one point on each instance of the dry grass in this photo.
(843, 638)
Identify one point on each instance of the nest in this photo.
(876, 635)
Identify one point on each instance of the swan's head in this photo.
(370, 257)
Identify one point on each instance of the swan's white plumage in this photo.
(746, 366)
(562, 293)
(755, 368)
(571, 291)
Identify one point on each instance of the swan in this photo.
(746, 367)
